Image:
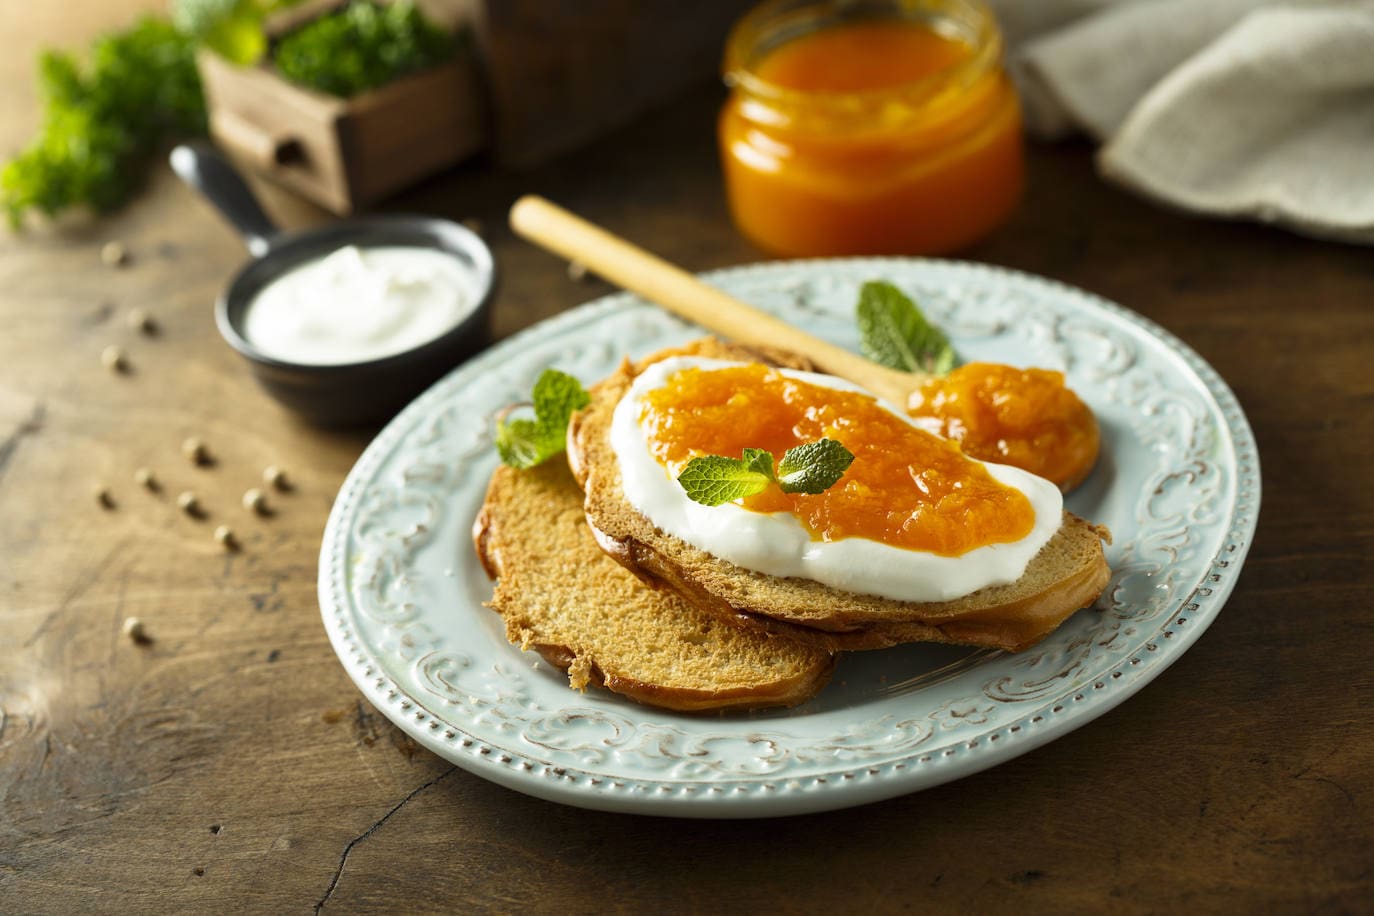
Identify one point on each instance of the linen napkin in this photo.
(1237, 108)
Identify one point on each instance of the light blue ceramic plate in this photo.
(401, 591)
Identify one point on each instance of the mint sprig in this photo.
(715, 479)
(894, 333)
(810, 468)
(524, 443)
(813, 467)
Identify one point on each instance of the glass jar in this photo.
(869, 127)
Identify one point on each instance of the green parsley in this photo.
(524, 443)
(360, 47)
(810, 468)
(233, 29)
(105, 121)
(895, 334)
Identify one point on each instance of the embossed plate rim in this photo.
(846, 784)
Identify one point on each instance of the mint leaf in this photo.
(557, 396)
(714, 479)
(524, 443)
(896, 334)
(810, 468)
(814, 467)
(759, 460)
(520, 444)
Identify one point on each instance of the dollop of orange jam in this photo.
(1023, 417)
(906, 488)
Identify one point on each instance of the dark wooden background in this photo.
(232, 765)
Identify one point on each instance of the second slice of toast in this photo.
(560, 595)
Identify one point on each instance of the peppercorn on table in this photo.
(177, 734)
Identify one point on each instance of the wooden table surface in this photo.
(232, 764)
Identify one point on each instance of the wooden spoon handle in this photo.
(632, 268)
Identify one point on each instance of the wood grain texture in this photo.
(231, 765)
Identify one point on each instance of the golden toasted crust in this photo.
(1068, 573)
(562, 597)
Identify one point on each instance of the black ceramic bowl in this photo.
(345, 394)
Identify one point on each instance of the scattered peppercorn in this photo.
(225, 536)
(195, 451)
(112, 358)
(141, 321)
(113, 254)
(135, 630)
(189, 504)
(254, 501)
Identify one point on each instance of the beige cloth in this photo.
(1237, 108)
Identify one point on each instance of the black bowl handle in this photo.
(204, 168)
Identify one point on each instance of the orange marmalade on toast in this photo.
(906, 488)
(1026, 418)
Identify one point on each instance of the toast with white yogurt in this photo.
(561, 596)
(1068, 573)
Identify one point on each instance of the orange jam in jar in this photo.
(869, 127)
(1023, 417)
(906, 487)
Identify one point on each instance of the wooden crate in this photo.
(345, 153)
(537, 79)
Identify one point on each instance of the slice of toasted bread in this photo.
(563, 597)
(1067, 574)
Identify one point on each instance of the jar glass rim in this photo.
(775, 22)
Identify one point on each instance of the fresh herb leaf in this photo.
(896, 334)
(759, 460)
(714, 479)
(810, 468)
(105, 121)
(814, 467)
(362, 46)
(233, 29)
(557, 396)
(521, 443)
(524, 443)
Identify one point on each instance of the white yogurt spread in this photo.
(360, 304)
(776, 543)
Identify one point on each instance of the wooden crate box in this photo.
(346, 153)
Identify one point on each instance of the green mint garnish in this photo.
(810, 468)
(715, 479)
(896, 334)
(813, 467)
(523, 443)
(758, 460)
